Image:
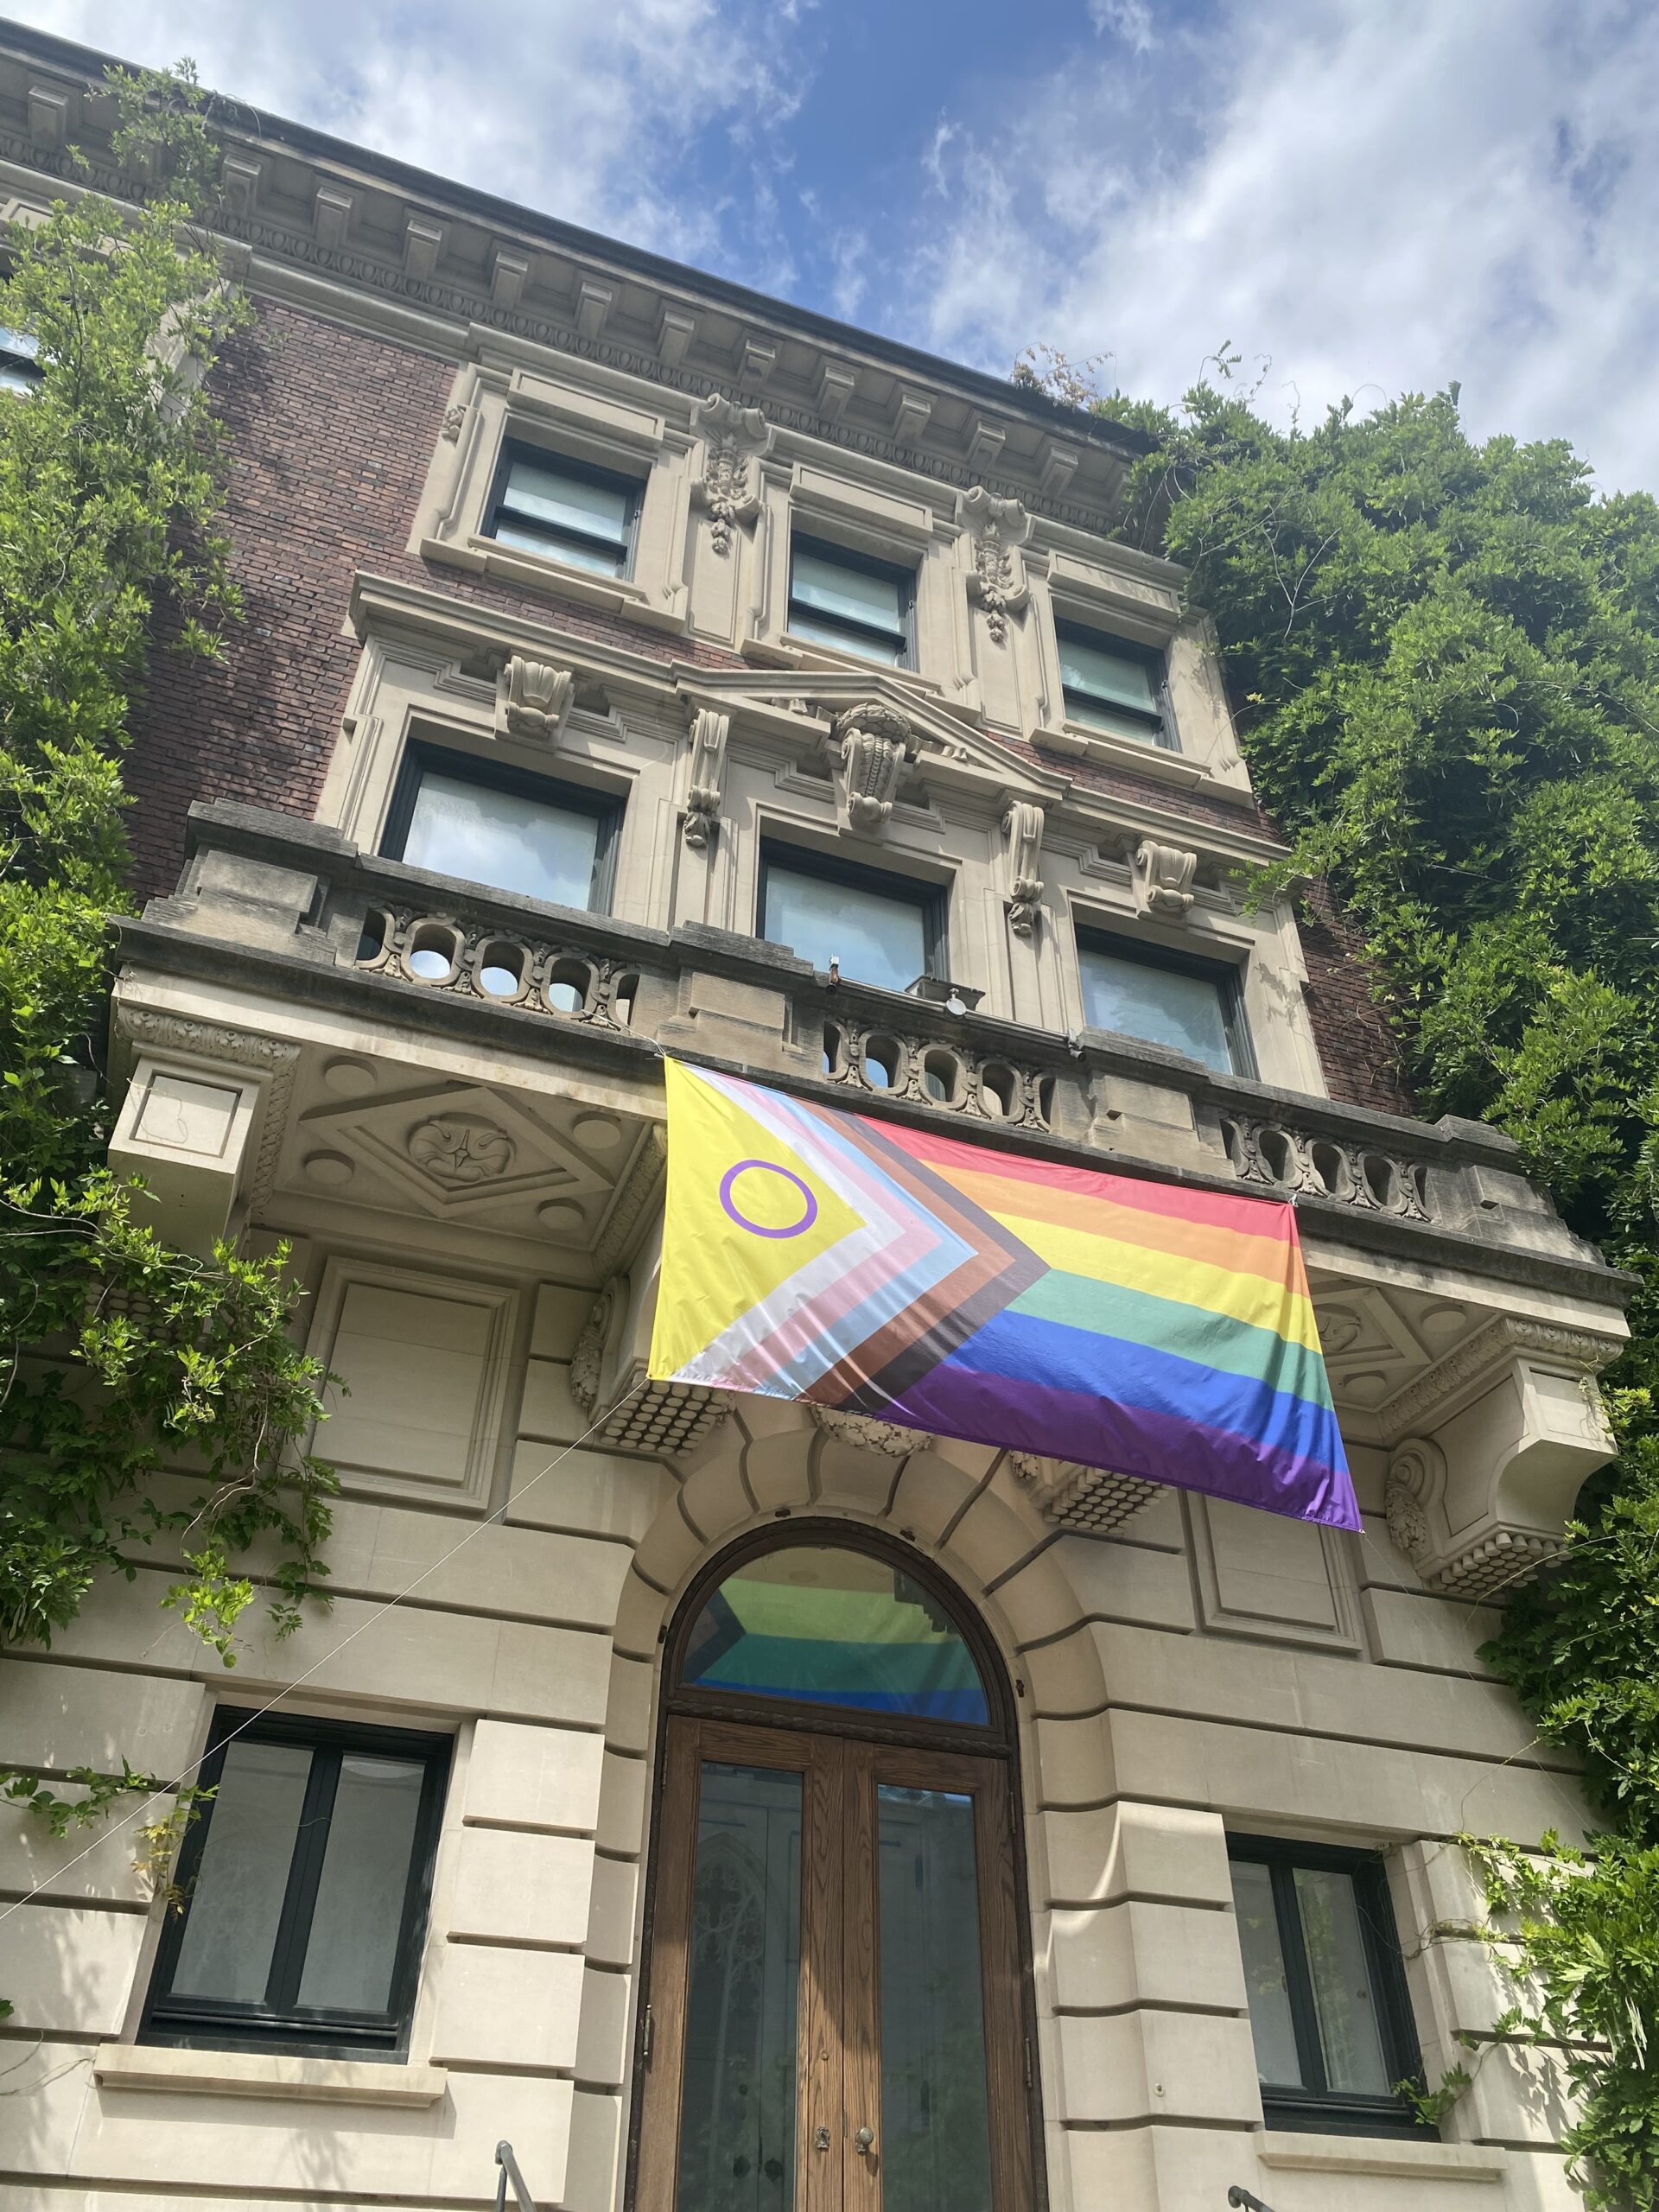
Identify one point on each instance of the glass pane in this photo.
(497, 837)
(1120, 721)
(1122, 677)
(545, 494)
(737, 2123)
(853, 593)
(825, 1627)
(1265, 1984)
(877, 939)
(935, 2141)
(352, 1952)
(890, 651)
(237, 1900)
(560, 546)
(1162, 1005)
(1351, 2035)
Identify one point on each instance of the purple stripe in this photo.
(1023, 1416)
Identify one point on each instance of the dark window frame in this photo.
(866, 564)
(581, 471)
(421, 756)
(1165, 736)
(1317, 2109)
(1222, 974)
(210, 2023)
(932, 899)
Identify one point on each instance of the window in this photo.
(837, 598)
(1189, 1004)
(544, 841)
(20, 364)
(305, 1884)
(546, 504)
(1112, 685)
(879, 929)
(1328, 1997)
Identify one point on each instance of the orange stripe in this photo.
(1186, 1240)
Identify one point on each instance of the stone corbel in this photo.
(709, 732)
(1479, 1502)
(1089, 1500)
(870, 747)
(996, 529)
(200, 1124)
(1162, 879)
(609, 1378)
(533, 699)
(1022, 825)
(735, 439)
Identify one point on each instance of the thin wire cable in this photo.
(288, 1688)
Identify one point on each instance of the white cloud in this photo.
(585, 112)
(1379, 193)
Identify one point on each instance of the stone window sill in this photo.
(267, 2074)
(510, 564)
(1370, 2154)
(1161, 762)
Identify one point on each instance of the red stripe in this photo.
(1273, 1218)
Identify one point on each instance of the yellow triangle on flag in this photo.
(744, 1212)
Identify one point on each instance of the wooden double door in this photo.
(837, 2017)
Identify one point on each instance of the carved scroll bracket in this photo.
(709, 734)
(734, 440)
(532, 700)
(1162, 879)
(870, 747)
(1022, 825)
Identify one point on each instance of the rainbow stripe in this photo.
(1147, 1328)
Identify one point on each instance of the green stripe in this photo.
(1169, 1325)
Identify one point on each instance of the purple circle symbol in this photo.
(768, 1167)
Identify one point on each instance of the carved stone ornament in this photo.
(453, 415)
(997, 527)
(1162, 877)
(533, 699)
(1417, 1467)
(865, 1433)
(588, 1355)
(1022, 825)
(873, 745)
(459, 1153)
(1091, 1501)
(709, 732)
(735, 439)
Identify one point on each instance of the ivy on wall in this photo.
(1444, 657)
(120, 1358)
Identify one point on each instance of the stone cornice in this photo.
(453, 261)
(1432, 1397)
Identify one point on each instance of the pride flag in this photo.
(1143, 1327)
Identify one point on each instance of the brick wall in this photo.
(331, 434)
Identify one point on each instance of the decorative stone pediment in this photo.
(1162, 879)
(735, 440)
(1088, 1500)
(533, 699)
(871, 746)
(708, 735)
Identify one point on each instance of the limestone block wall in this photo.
(1167, 1687)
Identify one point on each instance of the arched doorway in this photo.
(836, 2013)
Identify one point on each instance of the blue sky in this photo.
(1363, 195)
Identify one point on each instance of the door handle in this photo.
(863, 2141)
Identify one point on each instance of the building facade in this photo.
(634, 665)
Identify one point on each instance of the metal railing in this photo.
(522, 2197)
(1241, 2198)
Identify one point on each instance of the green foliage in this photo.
(158, 1840)
(1583, 1935)
(119, 1358)
(1444, 661)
